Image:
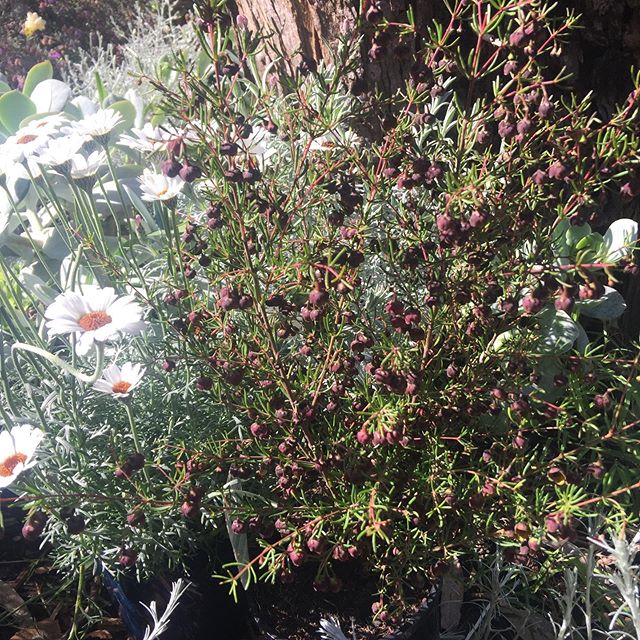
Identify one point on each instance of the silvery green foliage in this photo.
(153, 36)
(623, 573)
(161, 622)
(330, 630)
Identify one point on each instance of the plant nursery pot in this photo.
(198, 611)
(422, 624)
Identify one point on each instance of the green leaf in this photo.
(557, 332)
(128, 113)
(4, 87)
(102, 92)
(50, 96)
(608, 307)
(14, 108)
(37, 74)
(620, 239)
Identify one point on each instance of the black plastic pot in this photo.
(423, 625)
(205, 612)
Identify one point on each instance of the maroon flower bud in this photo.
(373, 13)
(483, 136)
(552, 523)
(168, 365)
(190, 509)
(524, 126)
(75, 525)
(499, 394)
(318, 297)
(259, 430)
(233, 375)
(33, 528)
(545, 110)
(135, 461)
(520, 406)
(531, 304)
(476, 501)
(194, 317)
(488, 489)
(560, 380)
(296, 556)
(506, 129)
(128, 558)
(434, 172)
(204, 383)
(190, 172)
(630, 190)
(539, 177)
(340, 554)
(564, 303)
(228, 149)
(518, 39)
(238, 526)
(591, 291)
(123, 471)
(519, 442)
(136, 518)
(478, 218)
(316, 545)
(557, 475)
(558, 171)
(596, 470)
(171, 168)
(602, 400)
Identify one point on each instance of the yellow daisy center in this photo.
(26, 139)
(94, 320)
(121, 387)
(9, 464)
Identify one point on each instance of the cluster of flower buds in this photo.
(134, 462)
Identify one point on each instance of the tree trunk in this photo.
(308, 29)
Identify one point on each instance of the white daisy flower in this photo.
(334, 138)
(97, 125)
(87, 167)
(23, 144)
(96, 315)
(17, 448)
(148, 139)
(60, 151)
(259, 143)
(47, 125)
(156, 186)
(120, 382)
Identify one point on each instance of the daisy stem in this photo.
(73, 634)
(134, 432)
(65, 366)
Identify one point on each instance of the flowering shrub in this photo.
(392, 353)
(404, 325)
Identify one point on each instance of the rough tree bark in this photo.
(311, 28)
